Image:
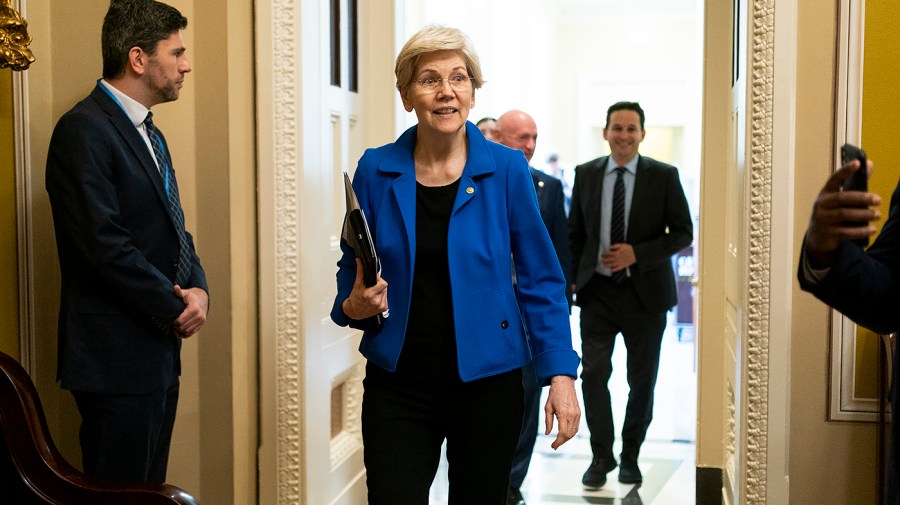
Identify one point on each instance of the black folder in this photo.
(356, 234)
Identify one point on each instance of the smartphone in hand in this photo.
(859, 181)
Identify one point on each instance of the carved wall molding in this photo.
(761, 89)
(350, 440)
(730, 442)
(289, 353)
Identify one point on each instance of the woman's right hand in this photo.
(365, 302)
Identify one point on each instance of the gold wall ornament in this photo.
(14, 39)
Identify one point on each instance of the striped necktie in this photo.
(617, 222)
(183, 268)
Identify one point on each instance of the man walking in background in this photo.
(629, 216)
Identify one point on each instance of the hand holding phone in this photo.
(859, 181)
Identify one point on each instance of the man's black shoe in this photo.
(514, 497)
(595, 476)
(629, 473)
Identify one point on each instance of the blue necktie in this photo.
(617, 222)
(182, 271)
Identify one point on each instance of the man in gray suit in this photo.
(629, 216)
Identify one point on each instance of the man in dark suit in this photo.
(132, 284)
(861, 284)
(518, 130)
(629, 216)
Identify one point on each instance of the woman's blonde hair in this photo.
(433, 38)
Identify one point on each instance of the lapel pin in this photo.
(470, 190)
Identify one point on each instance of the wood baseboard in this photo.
(709, 486)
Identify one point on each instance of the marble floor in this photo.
(667, 457)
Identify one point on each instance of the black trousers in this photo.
(607, 309)
(405, 421)
(126, 438)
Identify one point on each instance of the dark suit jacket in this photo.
(118, 252)
(551, 201)
(659, 226)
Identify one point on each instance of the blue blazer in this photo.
(118, 253)
(495, 214)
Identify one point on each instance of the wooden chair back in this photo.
(32, 470)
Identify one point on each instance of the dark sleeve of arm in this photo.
(577, 233)
(680, 228)
(198, 275)
(862, 288)
(864, 285)
(559, 233)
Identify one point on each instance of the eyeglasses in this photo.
(459, 82)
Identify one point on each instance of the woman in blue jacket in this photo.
(447, 209)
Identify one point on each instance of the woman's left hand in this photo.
(365, 302)
(562, 403)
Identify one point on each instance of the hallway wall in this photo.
(829, 462)
(881, 109)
